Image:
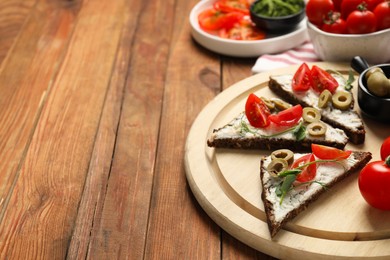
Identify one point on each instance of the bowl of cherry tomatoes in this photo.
(225, 27)
(341, 30)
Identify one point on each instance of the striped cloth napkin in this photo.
(300, 54)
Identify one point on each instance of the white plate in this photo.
(272, 44)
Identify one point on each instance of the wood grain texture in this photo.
(190, 84)
(121, 230)
(13, 15)
(25, 81)
(42, 209)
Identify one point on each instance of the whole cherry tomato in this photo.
(302, 78)
(374, 184)
(337, 5)
(382, 14)
(329, 153)
(256, 111)
(385, 148)
(316, 10)
(308, 172)
(348, 6)
(288, 117)
(321, 80)
(334, 24)
(361, 21)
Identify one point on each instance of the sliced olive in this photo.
(277, 166)
(268, 103)
(372, 71)
(316, 129)
(311, 114)
(284, 154)
(324, 98)
(378, 84)
(342, 100)
(280, 104)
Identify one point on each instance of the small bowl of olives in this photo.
(373, 89)
(272, 16)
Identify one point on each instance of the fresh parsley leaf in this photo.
(300, 132)
(286, 186)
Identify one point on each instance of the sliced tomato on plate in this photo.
(243, 30)
(329, 153)
(213, 20)
(288, 117)
(321, 80)
(256, 111)
(308, 172)
(302, 78)
(227, 6)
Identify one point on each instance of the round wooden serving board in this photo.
(226, 183)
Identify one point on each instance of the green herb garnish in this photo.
(348, 83)
(278, 8)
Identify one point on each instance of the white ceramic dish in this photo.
(272, 44)
(374, 47)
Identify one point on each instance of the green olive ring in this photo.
(268, 103)
(281, 105)
(311, 114)
(324, 99)
(342, 100)
(284, 154)
(316, 129)
(277, 166)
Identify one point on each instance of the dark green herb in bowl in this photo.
(277, 8)
(277, 15)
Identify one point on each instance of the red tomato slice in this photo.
(256, 111)
(213, 20)
(227, 6)
(329, 153)
(244, 30)
(288, 117)
(302, 78)
(308, 173)
(210, 19)
(321, 80)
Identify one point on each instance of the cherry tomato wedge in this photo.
(321, 80)
(256, 111)
(227, 6)
(288, 117)
(374, 184)
(329, 153)
(302, 78)
(385, 148)
(308, 173)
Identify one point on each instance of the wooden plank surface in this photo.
(42, 208)
(96, 100)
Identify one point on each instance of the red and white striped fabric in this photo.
(302, 53)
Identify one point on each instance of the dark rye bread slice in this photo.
(348, 120)
(239, 134)
(298, 199)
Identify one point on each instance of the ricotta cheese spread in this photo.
(240, 127)
(326, 173)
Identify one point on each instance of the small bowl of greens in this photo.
(277, 15)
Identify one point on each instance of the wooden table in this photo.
(96, 101)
